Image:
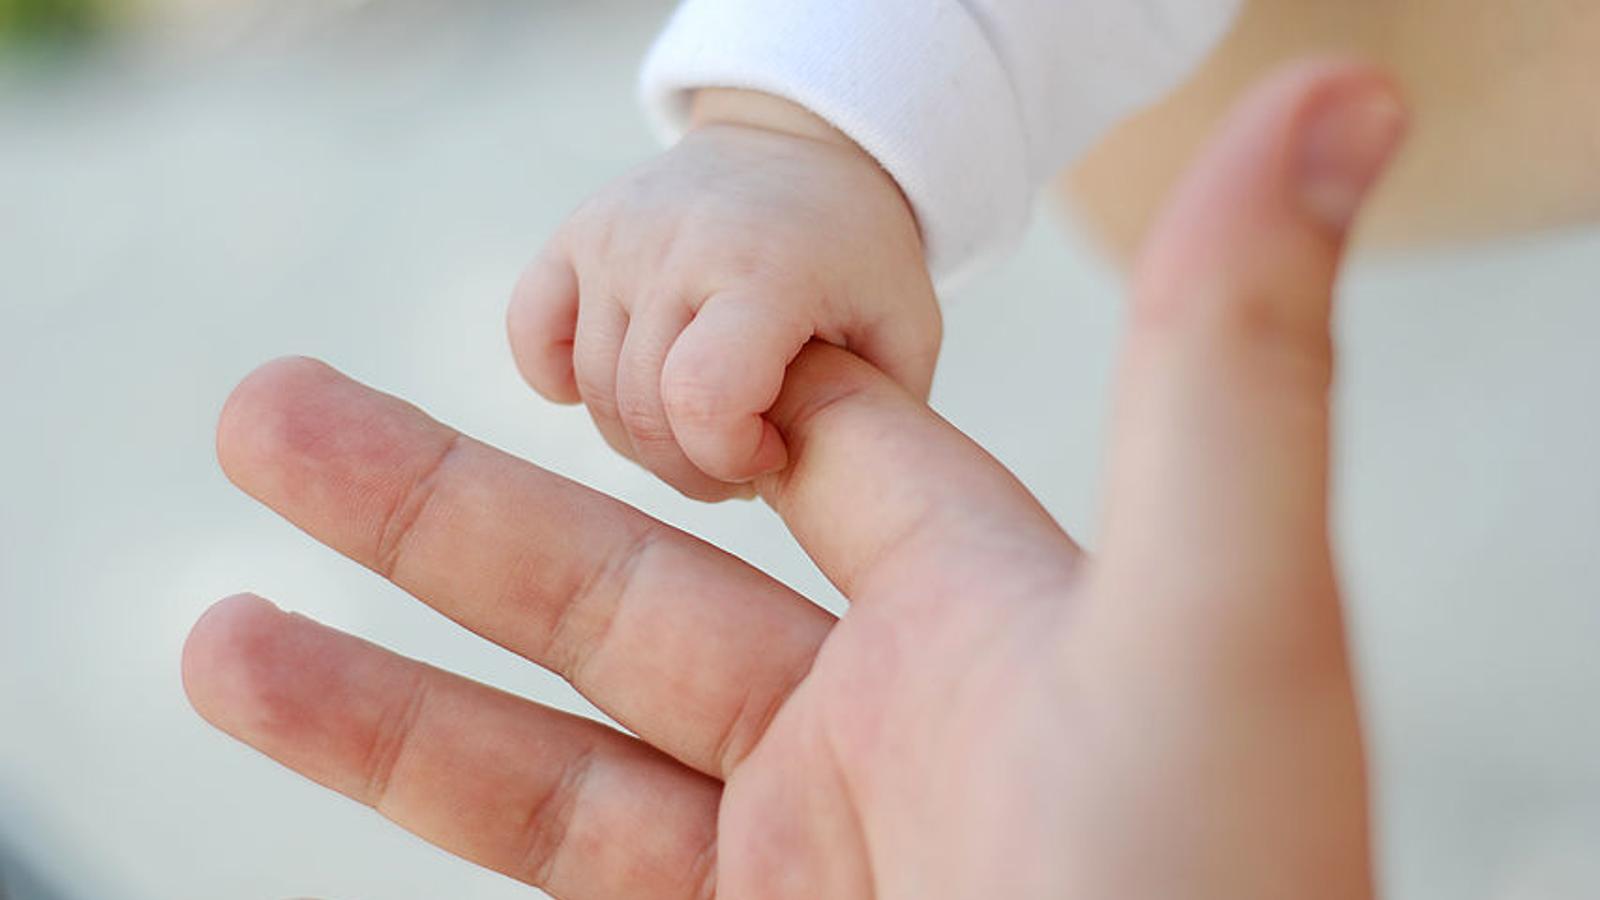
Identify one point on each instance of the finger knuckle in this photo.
(595, 393)
(543, 360)
(639, 415)
(594, 220)
(1258, 329)
(389, 741)
(549, 823)
(755, 254)
(693, 395)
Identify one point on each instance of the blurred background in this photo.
(190, 188)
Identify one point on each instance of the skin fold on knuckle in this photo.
(643, 420)
(1263, 334)
(694, 393)
(593, 389)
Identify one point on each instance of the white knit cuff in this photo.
(917, 85)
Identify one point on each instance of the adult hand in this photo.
(996, 715)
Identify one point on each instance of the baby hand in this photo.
(672, 303)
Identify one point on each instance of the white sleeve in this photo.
(971, 105)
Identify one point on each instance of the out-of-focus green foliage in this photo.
(53, 20)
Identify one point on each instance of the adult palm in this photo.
(996, 715)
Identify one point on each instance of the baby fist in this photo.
(672, 303)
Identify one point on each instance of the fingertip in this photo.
(772, 454)
(296, 419)
(736, 453)
(222, 650)
(258, 407)
(292, 688)
(738, 467)
(1302, 149)
(541, 322)
(551, 375)
(1345, 145)
(709, 490)
(1257, 228)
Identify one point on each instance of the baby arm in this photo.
(833, 154)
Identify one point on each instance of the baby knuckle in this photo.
(1239, 315)
(753, 253)
(642, 420)
(594, 395)
(693, 398)
(777, 262)
(598, 207)
(592, 229)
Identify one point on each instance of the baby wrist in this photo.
(755, 109)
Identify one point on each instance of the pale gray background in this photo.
(362, 184)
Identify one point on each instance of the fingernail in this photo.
(1344, 149)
